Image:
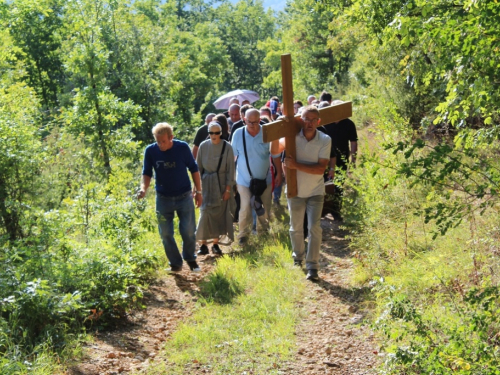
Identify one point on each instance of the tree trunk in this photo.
(10, 218)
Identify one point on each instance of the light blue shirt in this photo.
(258, 157)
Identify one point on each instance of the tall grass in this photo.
(437, 298)
(246, 318)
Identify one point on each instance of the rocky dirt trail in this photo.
(331, 339)
(334, 337)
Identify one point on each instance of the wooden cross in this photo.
(290, 126)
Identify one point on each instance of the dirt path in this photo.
(331, 339)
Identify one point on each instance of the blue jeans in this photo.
(166, 207)
(297, 208)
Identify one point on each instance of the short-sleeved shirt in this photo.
(309, 152)
(258, 157)
(237, 125)
(170, 168)
(201, 135)
(341, 133)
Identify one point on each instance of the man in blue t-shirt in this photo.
(170, 159)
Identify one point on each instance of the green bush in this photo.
(82, 265)
(434, 270)
(460, 338)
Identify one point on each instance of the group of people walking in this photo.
(234, 173)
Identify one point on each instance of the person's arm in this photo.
(277, 147)
(230, 174)
(234, 144)
(227, 193)
(333, 163)
(145, 182)
(195, 151)
(191, 164)
(317, 168)
(199, 159)
(279, 171)
(354, 151)
(147, 173)
(201, 135)
(197, 184)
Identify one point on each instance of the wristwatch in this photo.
(198, 191)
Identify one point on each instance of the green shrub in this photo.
(430, 253)
(460, 337)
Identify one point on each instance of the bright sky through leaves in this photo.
(273, 4)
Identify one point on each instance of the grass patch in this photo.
(246, 320)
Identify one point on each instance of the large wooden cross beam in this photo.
(291, 125)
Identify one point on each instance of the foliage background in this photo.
(83, 81)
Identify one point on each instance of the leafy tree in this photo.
(150, 56)
(36, 27)
(447, 51)
(21, 151)
(195, 69)
(188, 13)
(322, 48)
(96, 112)
(241, 27)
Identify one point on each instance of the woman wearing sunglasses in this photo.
(216, 164)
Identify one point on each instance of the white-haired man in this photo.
(170, 159)
(253, 162)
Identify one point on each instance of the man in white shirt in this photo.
(312, 157)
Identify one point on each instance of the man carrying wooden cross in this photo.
(311, 158)
(300, 158)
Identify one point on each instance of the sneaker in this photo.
(194, 266)
(297, 263)
(312, 275)
(175, 268)
(242, 241)
(203, 250)
(216, 249)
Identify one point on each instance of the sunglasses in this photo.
(214, 133)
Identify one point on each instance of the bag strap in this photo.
(220, 160)
(246, 157)
(245, 149)
(221, 155)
